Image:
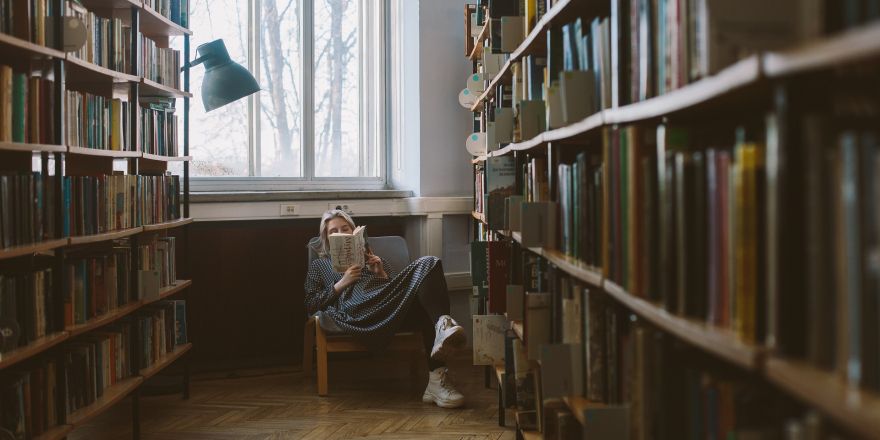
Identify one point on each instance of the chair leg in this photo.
(309, 346)
(322, 360)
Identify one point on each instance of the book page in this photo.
(347, 250)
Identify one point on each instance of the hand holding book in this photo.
(374, 263)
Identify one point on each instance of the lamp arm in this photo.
(194, 62)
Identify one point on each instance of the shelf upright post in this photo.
(186, 127)
(59, 130)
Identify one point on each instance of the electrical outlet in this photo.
(287, 210)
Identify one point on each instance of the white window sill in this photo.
(282, 196)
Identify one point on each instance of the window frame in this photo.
(373, 27)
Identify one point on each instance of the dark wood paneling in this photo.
(246, 302)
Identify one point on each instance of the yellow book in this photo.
(746, 173)
(5, 104)
(529, 22)
(116, 125)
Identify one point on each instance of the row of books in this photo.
(159, 255)
(28, 203)
(26, 20)
(26, 308)
(159, 128)
(98, 204)
(176, 10)
(98, 122)
(108, 40)
(86, 368)
(580, 192)
(26, 104)
(28, 399)
(586, 345)
(98, 283)
(161, 64)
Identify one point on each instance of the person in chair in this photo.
(375, 301)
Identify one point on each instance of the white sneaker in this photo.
(448, 336)
(441, 391)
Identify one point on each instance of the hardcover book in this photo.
(348, 250)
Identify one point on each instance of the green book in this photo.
(19, 107)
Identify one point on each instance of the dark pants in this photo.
(432, 304)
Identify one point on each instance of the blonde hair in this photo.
(323, 247)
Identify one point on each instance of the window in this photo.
(320, 116)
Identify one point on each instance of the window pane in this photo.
(218, 140)
(337, 75)
(281, 95)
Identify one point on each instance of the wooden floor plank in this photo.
(369, 399)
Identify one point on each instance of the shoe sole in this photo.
(430, 398)
(454, 341)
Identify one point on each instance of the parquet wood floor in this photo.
(369, 399)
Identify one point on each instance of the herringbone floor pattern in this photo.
(369, 399)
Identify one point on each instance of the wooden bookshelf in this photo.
(8, 43)
(82, 151)
(80, 71)
(36, 347)
(107, 318)
(169, 359)
(855, 409)
(853, 45)
(171, 290)
(160, 158)
(531, 435)
(479, 216)
(58, 432)
(532, 40)
(33, 148)
(477, 53)
(29, 249)
(577, 405)
(152, 88)
(478, 159)
(168, 225)
(154, 24)
(114, 4)
(107, 236)
(575, 268)
(111, 396)
(720, 342)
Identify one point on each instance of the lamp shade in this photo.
(225, 81)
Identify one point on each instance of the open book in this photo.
(347, 250)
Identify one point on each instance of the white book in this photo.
(348, 250)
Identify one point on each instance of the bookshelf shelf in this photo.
(152, 88)
(720, 342)
(111, 396)
(478, 159)
(535, 37)
(742, 73)
(154, 24)
(479, 216)
(102, 153)
(8, 43)
(33, 148)
(38, 346)
(178, 286)
(478, 48)
(19, 251)
(56, 433)
(107, 236)
(577, 405)
(531, 435)
(517, 327)
(104, 319)
(569, 265)
(855, 409)
(168, 225)
(114, 4)
(169, 358)
(853, 45)
(160, 158)
(85, 72)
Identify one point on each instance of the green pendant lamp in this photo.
(225, 81)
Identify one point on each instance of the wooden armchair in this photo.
(321, 341)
